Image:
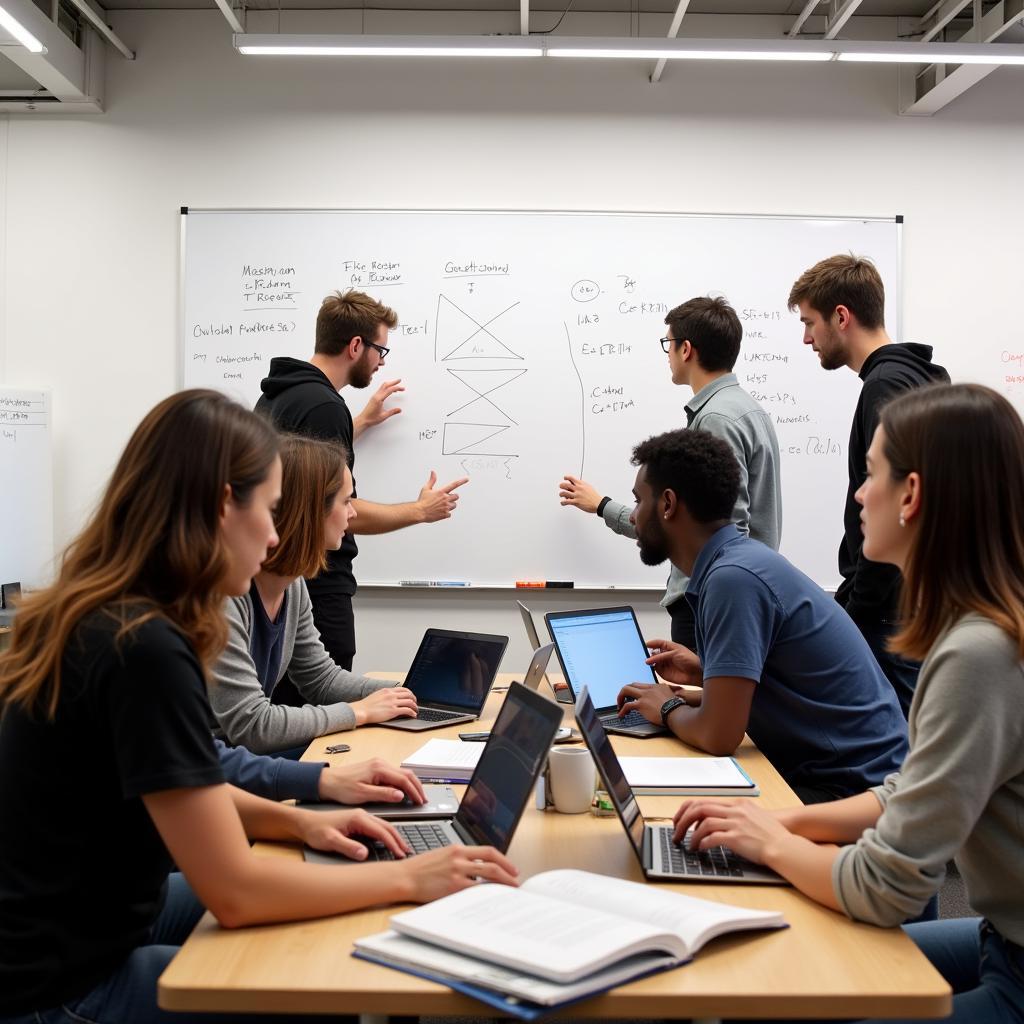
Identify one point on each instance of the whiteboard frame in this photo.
(185, 211)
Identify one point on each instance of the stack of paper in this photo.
(687, 776)
(444, 761)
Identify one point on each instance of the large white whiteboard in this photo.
(26, 488)
(529, 346)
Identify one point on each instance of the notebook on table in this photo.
(451, 676)
(661, 859)
(505, 776)
(603, 649)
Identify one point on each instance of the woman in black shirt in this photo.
(108, 771)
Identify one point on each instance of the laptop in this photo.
(660, 858)
(603, 649)
(503, 781)
(562, 695)
(441, 803)
(451, 676)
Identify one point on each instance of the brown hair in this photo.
(312, 473)
(712, 327)
(967, 443)
(347, 315)
(850, 281)
(153, 547)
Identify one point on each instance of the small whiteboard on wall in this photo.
(26, 495)
(529, 347)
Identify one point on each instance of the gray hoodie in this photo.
(244, 711)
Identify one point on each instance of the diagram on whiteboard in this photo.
(481, 418)
(459, 335)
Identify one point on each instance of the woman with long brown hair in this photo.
(108, 772)
(270, 628)
(943, 501)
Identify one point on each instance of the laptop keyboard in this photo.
(719, 861)
(433, 715)
(633, 718)
(420, 836)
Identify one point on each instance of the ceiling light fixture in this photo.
(11, 24)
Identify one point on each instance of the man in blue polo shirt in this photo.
(776, 656)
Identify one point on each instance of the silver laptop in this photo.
(451, 676)
(503, 781)
(562, 695)
(603, 649)
(660, 858)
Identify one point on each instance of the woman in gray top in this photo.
(942, 500)
(271, 631)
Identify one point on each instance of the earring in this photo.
(903, 521)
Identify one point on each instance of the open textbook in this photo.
(562, 936)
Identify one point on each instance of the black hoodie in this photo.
(299, 399)
(870, 590)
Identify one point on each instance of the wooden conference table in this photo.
(823, 965)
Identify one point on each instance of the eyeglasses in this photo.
(666, 344)
(384, 351)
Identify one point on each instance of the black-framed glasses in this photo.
(383, 350)
(666, 344)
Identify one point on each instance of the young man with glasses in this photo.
(702, 344)
(302, 397)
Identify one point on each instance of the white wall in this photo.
(92, 206)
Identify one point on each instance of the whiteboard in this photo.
(529, 346)
(26, 494)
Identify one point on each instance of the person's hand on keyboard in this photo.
(370, 781)
(440, 872)
(741, 825)
(646, 699)
(382, 706)
(332, 831)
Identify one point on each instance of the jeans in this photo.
(128, 996)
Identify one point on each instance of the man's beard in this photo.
(361, 374)
(653, 544)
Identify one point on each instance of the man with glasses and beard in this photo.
(302, 397)
(775, 656)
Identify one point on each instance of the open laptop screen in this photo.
(602, 650)
(610, 770)
(455, 669)
(508, 767)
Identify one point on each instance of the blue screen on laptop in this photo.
(603, 651)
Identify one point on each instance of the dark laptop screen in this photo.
(601, 650)
(508, 767)
(610, 770)
(455, 669)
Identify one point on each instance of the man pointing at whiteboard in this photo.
(702, 343)
(302, 397)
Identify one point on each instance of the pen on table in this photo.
(544, 584)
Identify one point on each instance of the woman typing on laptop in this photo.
(942, 501)
(108, 771)
(271, 631)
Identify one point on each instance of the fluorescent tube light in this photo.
(654, 53)
(385, 46)
(22, 34)
(951, 56)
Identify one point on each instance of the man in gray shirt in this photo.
(703, 343)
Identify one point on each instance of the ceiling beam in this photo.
(935, 87)
(95, 18)
(809, 9)
(524, 17)
(939, 17)
(673, 31)
(229, 14)
(840, 12)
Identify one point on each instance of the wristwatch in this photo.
(669, 706)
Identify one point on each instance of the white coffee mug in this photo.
(571, 770)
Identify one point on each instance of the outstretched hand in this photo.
(574, 491)
(374, 411)
(436, 503)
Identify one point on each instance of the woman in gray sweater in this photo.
(942, 500)
(271, 631)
